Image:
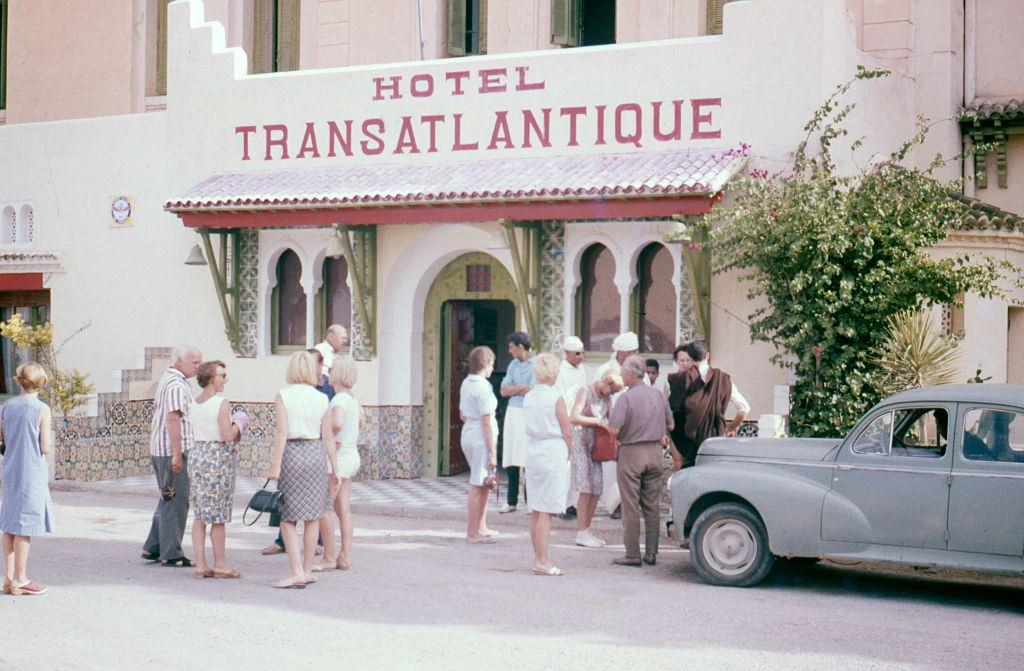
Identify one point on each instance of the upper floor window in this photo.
(334, 301)
(275, 36)
(467, 27)
(158, 17)
(597, 299)
(17, 224)
(582, 23)
(288, 304)
(716, 10)
(654, 300)
(3, 54)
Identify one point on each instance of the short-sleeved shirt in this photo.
(570, 379)
(519, 372)
(641, 414)
(348, 437)
(477, 399)
(172, 394)
(327, 352)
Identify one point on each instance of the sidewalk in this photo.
(429, 498)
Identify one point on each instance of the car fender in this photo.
(788, 503)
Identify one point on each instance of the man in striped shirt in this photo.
(169, 441)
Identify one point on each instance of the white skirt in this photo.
(348, 462)
(547, 475)
(514, 447)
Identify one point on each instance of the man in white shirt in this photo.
(571, 377)
(335, 340)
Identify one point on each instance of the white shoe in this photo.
(587, 540)
(506, 508)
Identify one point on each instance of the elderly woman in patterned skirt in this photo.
(212, 463)
(304, 462)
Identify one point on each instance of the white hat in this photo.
(626, 342)
(572, 344)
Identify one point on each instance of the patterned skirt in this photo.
(303, 482)
(586, 473)
(211, 472)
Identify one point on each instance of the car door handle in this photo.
(842, 467)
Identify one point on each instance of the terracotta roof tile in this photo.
(593, 177)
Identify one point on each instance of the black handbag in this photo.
(264, 501)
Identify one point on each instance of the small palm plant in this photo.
(913, 353)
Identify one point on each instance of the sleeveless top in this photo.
(205, 426)
(539, 410)
(306, 407)
(348, 437)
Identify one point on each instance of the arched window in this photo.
(289, 305)
(26, 224)
(597, 299)
(8, 225)
(654, 300)
(334, 302)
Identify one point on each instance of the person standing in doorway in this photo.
(624, 346)
(641, 421)
(518, 381)
(169, 442)
(704, 396)
(26, 508)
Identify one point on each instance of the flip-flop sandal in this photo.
(230, 573)
(274, 549)
(199, 575)
(552, 571)
(150, 556)
(289, 584)
(30, 589)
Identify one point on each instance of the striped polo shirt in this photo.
(172, 393)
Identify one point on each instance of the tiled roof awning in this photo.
(561, 187)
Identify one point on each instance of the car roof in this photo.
(1006, 394)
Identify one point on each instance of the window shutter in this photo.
(287, 35)
(160, 88)
(262, 36)
(483, 27)
(456, 27)
(565, 22)
(3, 54)
(716, 9)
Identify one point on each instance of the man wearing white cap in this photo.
(624, 346)
(571, 376)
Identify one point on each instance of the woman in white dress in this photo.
(549, 435)
(346, 422)
(477, 408)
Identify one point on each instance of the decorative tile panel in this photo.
(552, 286)
(248, 282)
(687, 306)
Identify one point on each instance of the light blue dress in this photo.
(26, 506)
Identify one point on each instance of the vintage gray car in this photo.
(931, 477)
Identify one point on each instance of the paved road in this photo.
(418, 597)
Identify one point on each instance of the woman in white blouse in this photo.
(346, 422)
(477, 408)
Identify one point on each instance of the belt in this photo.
(646, 443)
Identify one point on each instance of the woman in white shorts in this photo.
(477, 408)
(347, 422)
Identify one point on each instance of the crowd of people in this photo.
(577, 442)
(566, 440)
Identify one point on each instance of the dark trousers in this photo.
(170, 517)
(513, 486)
(639, 475)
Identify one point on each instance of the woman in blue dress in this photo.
(26, 507)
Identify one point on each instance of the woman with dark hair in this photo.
(704, 394)
(212, 463)
(676, 384)
(518, 381)
(477, 408)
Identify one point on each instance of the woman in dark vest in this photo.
(702, 394)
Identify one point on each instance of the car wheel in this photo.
(730, 546)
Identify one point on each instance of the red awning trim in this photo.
(562, 187)
(21, 281)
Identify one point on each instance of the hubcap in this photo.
(729, 547)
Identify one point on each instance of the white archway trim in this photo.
(271, 251)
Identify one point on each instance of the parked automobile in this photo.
(932, 477)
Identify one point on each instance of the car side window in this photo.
(919, 432)
(875, 437)
(993, 435)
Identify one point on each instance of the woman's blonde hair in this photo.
(613, 380)
(31, 376)
(303, 369)
(343, 371)
(545, 368)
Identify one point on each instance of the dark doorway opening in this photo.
(598, 23)
(465, 325)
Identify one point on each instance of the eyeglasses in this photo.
(575, 353)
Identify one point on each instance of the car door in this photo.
(986, 496)
(890, 479)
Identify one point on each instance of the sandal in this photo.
(199, 574)
(150, 556)
(183, 562)
(226, 573)
(550, 571)
(289, 583)
(319, 568)
(30, 588)
(272, 549)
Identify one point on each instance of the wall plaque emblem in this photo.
(121, 211)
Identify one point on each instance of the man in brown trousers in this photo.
(640, 420)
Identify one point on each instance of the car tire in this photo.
(729, 546)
